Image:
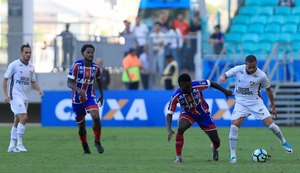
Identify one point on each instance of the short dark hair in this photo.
(84, 47)
(184, 77)
(25, 46)
(169, 56)
(217, 26)
(250, 59)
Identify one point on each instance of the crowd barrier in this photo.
(134, 109)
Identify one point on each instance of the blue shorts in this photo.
(204, 121)
(81, 109)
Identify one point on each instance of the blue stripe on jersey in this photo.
(179, 97)
(84, 78)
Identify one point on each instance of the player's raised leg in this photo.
(276, 130)
(97, 130)
(184, 124)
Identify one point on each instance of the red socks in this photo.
(179, 144)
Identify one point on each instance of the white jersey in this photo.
(247, 86)
(21, 76)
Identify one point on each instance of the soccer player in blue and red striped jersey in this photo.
(81, 79)
(193, 109)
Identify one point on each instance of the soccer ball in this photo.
(260, 155)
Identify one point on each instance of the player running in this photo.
(193, 108)
(21, 74)
(81, 80)
(248, 81)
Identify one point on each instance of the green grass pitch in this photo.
(139, 150)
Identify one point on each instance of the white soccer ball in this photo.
(260, 155)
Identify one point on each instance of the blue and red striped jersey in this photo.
(84, 78)
(193, 102)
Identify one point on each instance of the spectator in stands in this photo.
(170, 74)
(104, 74)
(217, 40)
(158, 42)
(145, 72)
(131, 70)
(128, 36)
(195, 27)
(174, 42)
(289, 3)
(67, 46)
(163, 20)
(140, 31)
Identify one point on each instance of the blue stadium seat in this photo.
(241, 29)
(248, 10)
(266, 38)
(296, 47)
(263, 48)
(273, 28)
(292, 19)
(248, 48)
(279, 19)
(283, 38)
(251, 38)
(296, 37)
(296, 10)
(258, 19)
(282, 11)
(266, 11)
(233, 38)
(256, 29)
(241, 20)
(272, 3)
(253, 3)
(289, 28)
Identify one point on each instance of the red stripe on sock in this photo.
(97, 134)
(179, 144)
(83, 138)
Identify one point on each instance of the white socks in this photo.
(20, 133)
(233, 137)
(276, 130)
(13, 137)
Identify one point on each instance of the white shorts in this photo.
(18, 106)
(253, 107)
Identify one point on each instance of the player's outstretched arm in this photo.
(218, 87)
(5, 94)
(169, 128)
(223, 78)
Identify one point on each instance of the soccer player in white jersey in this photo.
(248, 81)
(21, 74)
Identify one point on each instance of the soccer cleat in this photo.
(21, 148)
(232, 160)
(178, 159)
(215, 153)
(13, 150)
(287, 147)
(86, 148)
(99, 147)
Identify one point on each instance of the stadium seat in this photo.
(258, 20)
(279, 19)
(266, 11)
(233, 38)
(290, 28)
(292, 19)
(240, 19)
(283, 38)
(273, 28)
(241, 29)
(296, 38)
(248, 48)
(256, 28)
(296, 10)
(266, 38)
(296, 47)
(272, 3)
(250, 38)
(248, 10)
(252, 3)
(263, 48)
(282, 11)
